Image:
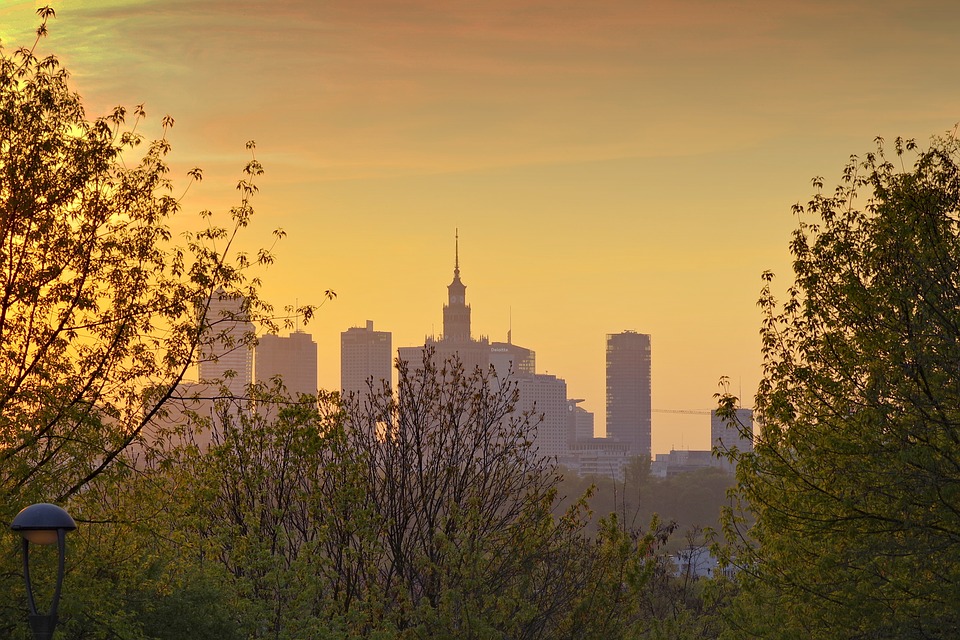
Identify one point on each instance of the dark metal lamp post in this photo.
(43, 523)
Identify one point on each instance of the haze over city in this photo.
(610, 165)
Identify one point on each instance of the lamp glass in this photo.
(40, 536)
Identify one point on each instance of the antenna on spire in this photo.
(510, 327)
(456, 252)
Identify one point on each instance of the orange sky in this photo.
(611, 165)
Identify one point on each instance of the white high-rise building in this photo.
(293, 358)
(545, 396)
(726, 435)
(365, 354)
(227, 358)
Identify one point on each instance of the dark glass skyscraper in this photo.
(628, 390)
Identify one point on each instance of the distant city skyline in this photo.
(610, 165)
(565, 431)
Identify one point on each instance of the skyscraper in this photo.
(724, 436)
(628, 390)
(508, 358)
(293, 358)
(227, 357)
(545, 397)
(364, 354)
(225, 362)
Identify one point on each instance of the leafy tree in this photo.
(139, 573)
(98, 303)
(441, 517)
(102, 309)
(665, 599)
(253, 504)
(855, 480)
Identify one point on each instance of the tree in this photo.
(855, 479)
(98, 303)
(253, 505)
(102, 309)
(466, 540)
(425, 514)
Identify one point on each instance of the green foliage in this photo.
(102, 309)
(424, 514)
(856, 476)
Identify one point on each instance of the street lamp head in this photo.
(39, 523)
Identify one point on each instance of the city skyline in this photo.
(610, 166)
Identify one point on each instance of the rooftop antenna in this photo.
(510, 328)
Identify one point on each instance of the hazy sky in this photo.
(610, 164)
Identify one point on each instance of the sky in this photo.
(608, 165)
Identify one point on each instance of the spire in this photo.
(456, 313)
(456, 288)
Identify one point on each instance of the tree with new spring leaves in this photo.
(855, 481)
(421, 514)
(99, 302)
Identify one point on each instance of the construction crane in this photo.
(697, 412)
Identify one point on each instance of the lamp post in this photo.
(43, 523)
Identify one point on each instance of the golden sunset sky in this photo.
(610, 164)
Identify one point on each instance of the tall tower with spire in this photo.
(542, 395)
(456, 313)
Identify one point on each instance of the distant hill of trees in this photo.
(692, 500)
